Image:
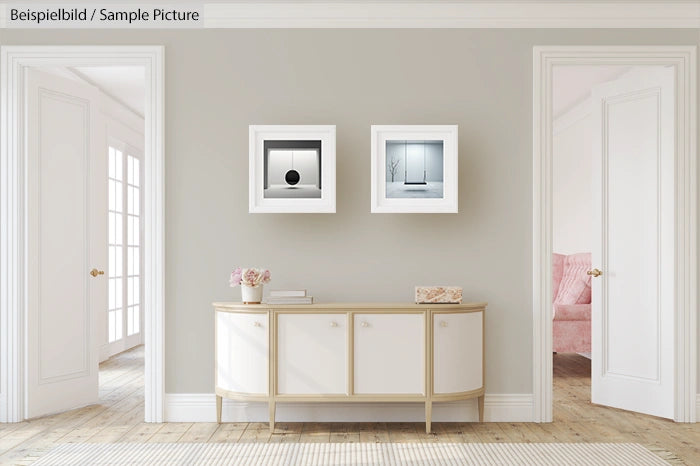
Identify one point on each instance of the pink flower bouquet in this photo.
(249, 277)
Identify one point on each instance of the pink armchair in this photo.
(571, 291)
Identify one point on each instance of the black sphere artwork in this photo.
(292, 177)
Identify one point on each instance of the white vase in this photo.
(251, 294)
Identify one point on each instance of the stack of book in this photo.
(288, 297)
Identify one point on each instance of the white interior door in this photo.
(633, 244)
(66, 238)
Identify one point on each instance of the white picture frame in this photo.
(422, 193)
(272, 152)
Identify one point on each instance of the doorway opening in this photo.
(640, 263)
(577, 97)
(95, 115)
(85, 144)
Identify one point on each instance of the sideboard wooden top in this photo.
(224, 306)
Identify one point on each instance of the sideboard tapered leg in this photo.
(481, 408)
(272, 415)
(218, 409)
(428, 415)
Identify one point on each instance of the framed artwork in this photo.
(291, 169)
(414, 168)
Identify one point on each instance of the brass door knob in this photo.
(95, 272)
(595, 273)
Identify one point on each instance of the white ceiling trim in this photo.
(457, 14)
(464, 14)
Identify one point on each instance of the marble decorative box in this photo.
(439, 294)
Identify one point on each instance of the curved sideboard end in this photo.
(356, 352)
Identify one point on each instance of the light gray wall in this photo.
(220, 81)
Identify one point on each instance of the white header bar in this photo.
(101, 16)
(359, 14)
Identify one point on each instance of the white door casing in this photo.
(311, 354)
(66, 232)
(633, 199)
(683, 61)
(14, 62)
(389, 353)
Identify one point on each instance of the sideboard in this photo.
(341, 352)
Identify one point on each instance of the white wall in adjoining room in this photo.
(572, 151)
(572, 178)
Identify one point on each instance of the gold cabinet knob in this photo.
(95, 272)
(443, 323)
(334, 324)
(365, 324)
(595, 273)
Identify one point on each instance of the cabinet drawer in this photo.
(457, 352)
(389, 352)
(242, 352)
(312, 354)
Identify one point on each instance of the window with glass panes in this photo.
(124, 211)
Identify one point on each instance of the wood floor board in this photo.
(256, 432)
(402, 432)
(516, 432)
(315, 432)
(199, 432)
(490, 432)
(286, 432)
(140, 433)
(170, 432)
(373, 432)
(344, 432)
(228, 432)
(118, 417)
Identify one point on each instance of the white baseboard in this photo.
(201, 407)
(697, 408)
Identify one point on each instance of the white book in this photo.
(287, 293)
(289, 300)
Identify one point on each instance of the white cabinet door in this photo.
(457, 352)
(242, 352)
(311, 354)
(389, 353)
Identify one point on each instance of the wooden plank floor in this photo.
(119, 418)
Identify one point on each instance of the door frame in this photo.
(683, 58)
(14, 60)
